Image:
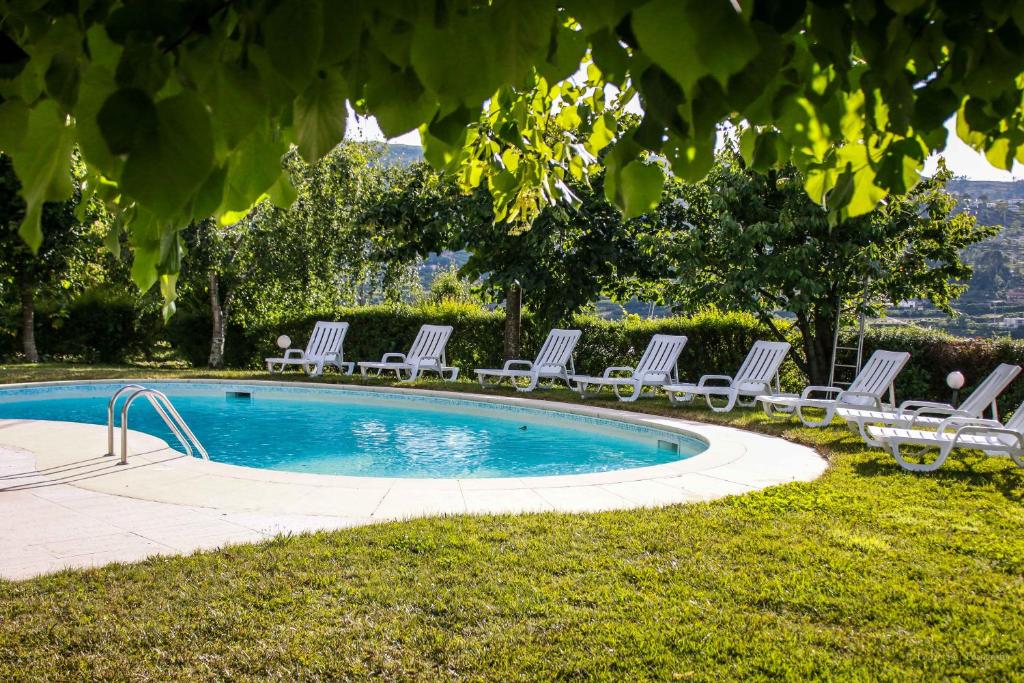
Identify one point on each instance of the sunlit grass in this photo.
(868, 573)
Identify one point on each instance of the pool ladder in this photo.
(163, 407)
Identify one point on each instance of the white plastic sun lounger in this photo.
(928, 415)
(956, 431)
(554, 362)
(426, 355)
(657, 367)
(325, 348)
(760, 370)
(867, 391)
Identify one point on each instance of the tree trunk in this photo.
(28, 320)
(220, 322)
(817, 342)
(513, 320)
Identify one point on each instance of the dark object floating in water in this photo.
(522, 427)
(242, 395)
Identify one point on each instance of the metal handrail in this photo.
(163, 407)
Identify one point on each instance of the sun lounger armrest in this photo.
(932, 410)
(989, 431)
(654, 375)
(967, 421)
(915, 406)
(703, 381)
(393, 357)
(527, 364)
(816, 389)
(617, 368)
(294, 353)
(861, 394)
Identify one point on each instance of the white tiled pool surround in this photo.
(63, 503)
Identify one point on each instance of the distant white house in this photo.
(912, 304)
(1012, 323)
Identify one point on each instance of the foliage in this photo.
(755, 242)
(567, 258)
(103, 324)
(450, 287)
(183, 109)
(801, 581)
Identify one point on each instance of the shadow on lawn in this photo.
(959, 469)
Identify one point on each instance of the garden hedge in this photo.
(105, 327)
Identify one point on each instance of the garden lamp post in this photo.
(955, 381)
(284, 341)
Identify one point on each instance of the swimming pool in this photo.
(363, 432)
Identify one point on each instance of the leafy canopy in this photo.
(183, 108)
(755, 242)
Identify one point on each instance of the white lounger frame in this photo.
(325, 347)
(927, 414)
(757, 375)
(554, 362)
(875, 379)
(657, 367)
(989, 436)
(427, 354)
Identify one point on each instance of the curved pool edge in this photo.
(736, 461)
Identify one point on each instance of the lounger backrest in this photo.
(430, 342)
(1016, 422)
(985, 394)
(326, 338)
(878, 374)
(557, 349)
(660, 357)
(761, 365)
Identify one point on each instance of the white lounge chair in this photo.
(657, 367)
(426, 355)
(928, 415)
(956, 431)
(554, 362)
(756, 376)
(867, 391)
(325, 347)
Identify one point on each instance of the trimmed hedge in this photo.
(105, 327)
(96, 327)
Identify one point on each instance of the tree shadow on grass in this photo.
(961, 468)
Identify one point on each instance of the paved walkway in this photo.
(64, 504)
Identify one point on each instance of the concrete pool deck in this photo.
(63, 503)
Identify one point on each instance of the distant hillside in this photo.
(403, 155)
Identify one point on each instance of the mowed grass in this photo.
(869, 573)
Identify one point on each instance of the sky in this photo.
(960, 158)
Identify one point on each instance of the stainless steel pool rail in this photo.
(163, 407)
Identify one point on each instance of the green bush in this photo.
(99, 326)
(934, 354)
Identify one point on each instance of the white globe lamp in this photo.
(284, 341)
(955, 381)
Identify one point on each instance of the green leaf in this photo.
(691, 39)
(96, 86)
(127, 118)
(399, 102)
(320, 117)
(642, 185)
(564, 55)
(342, 24)
(456, 63)
(253, 168)
(293, 36)
(42, 162)
(164, 170)
(522, 33)
(282, 193)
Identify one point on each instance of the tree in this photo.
(755, 242)
(315, 255)
(563, 262)
(56, 266)
(183, 108)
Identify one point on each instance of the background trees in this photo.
(62, 262)
(756, 242)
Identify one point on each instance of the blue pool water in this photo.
(364, 433)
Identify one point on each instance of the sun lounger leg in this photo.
(944, 451)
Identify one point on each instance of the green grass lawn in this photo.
(869, 573)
